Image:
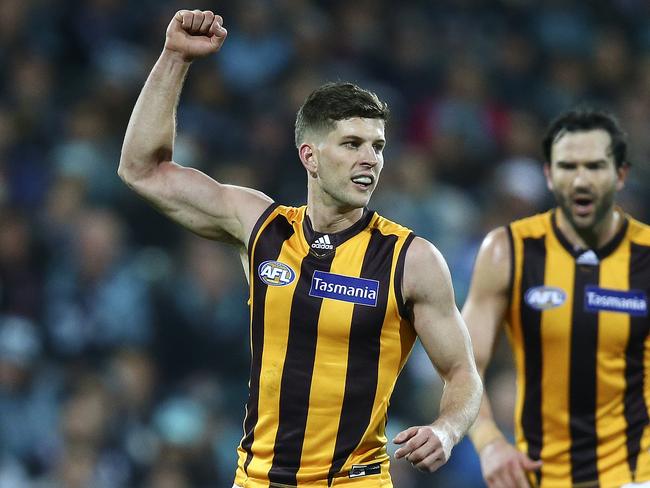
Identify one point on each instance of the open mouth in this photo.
(583, 205)
(363, 181)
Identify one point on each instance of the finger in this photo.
(405, 435)
(411, 445)
(494, 481)
(499, 479)
(197, 20)
(504, 481)
(216, 27)
(530, 464)
(424, 452)
(432, 462)
(184, 17)
(512, 478)
(208, 17)
(520, 479)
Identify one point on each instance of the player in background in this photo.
(571, 288)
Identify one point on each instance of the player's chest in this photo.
(608, 299)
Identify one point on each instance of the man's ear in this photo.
(308, 158)
(547, 174)
(622, 172)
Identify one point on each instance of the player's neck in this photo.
(329, 219)
(594, 237)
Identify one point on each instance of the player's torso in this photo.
(328, 340)
(579, 328)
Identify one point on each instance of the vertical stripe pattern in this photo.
(559, 273)
(399, 275)
(325, 352)
(275, 234)
(534, 259)
(636, 412)
(328, 381)
(582, 380)
(297, 376)
(363, 352)
(613, 338)
(594, 386)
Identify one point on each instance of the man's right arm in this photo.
(484, 312)
(188, 196)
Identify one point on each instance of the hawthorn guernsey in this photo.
(633, 302)
(345, 288)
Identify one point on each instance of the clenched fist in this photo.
(195, 33)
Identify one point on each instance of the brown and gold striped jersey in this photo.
(578, 323)
(328, 339)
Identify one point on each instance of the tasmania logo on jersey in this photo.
(545, 297)
(275, 273)
(345, 288)
(632, 302)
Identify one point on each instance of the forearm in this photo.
(484, 431)
(150, 133)
(459, 404)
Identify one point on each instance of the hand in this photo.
(504, 466)
(425, 447)
(193, 34)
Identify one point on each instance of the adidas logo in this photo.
(588, 258)
(323, 242)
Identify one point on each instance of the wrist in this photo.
(485, 433)
(175, 56)
(447, 439)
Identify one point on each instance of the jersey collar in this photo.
(601, 252)
(323, 244)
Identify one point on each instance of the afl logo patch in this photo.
(545, 297)
(275, 273)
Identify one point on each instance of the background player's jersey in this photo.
(328, 340)
(579, 326)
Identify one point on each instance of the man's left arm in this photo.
(429, 295)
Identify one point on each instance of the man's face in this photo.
(583, 176)
(349, 160)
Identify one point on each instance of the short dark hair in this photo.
(586, 119)
(337, 101)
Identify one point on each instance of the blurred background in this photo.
(123, 339)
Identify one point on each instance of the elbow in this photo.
(131, 174)
(122, 172)
(125, 174)
(132, 170)
(136, 166)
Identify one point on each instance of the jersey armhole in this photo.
(256, 228)
(399, 276)
(511, 278)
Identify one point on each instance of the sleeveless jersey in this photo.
(328, 339)
(578, 324)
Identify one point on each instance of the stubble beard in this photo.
(602, 206)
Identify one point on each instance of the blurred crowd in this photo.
(124, 339)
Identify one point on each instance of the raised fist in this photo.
(195, 33)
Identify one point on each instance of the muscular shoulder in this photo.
(496, 246)
(494, 261)
(426, 275)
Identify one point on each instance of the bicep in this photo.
(436, 318)
(201, 204)
(488, 297)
